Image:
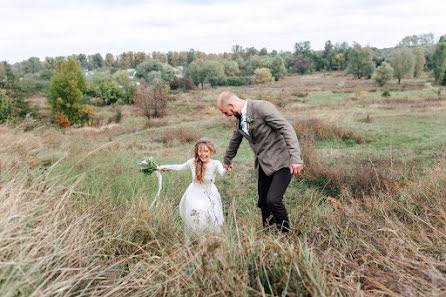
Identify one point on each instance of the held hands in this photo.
(160, 169)
(296, 169)
(228, 167)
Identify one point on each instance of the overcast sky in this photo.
(64, 27)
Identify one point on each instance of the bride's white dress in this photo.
(200, 206)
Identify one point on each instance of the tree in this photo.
(83, 61)
(66, 88)
(303, 48)
(417, 40)
(125, 84)
(328, 55)
(215, 72)
(439, 61)
(230, 67)
(143, 69)
(403, 62)
(32, 65)
(262, 75)
(360, 61)
(109, 60)
(338, 61)
(384, 74)
(301, 64)
(277, 67)
(197, 71)
(98, 61)
(152, 99)
(105, 88)
(420, 60)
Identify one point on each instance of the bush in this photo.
(14, 109)
(386, 93)
(62, 120)
(261, 76)
(238, 81)
(184, 84)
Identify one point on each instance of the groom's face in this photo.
(229, 111)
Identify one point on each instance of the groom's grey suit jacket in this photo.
(271, 137)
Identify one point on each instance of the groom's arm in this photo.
(232, 149)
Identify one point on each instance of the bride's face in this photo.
(204, 153)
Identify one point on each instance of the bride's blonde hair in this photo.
(199, 168)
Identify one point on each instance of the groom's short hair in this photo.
(226, 97)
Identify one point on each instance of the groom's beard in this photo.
(238, 115)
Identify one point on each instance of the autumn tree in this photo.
(151, 99)
(261, 76)
(66, 89)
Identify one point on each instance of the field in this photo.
(368, 213)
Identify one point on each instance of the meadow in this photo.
(368, 213)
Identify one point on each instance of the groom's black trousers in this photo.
(271, 189)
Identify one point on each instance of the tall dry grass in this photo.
(56, 242)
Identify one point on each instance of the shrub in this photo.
(261, 76)
(238, 81)
(386, 93)
(14, 109)
(62, 120)
(184, 84)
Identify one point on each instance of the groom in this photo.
(275, 145)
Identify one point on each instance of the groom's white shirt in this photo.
(243, 124)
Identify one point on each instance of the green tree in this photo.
(303, 48)
(384, 74)
(143, 69)
(109, 60)
(107, 89)
(277, 68)
(125, 84)
(83, 61)
(420, 60)
(66, 89)
(215, 72)
(360, 61)
(403, 62)
(439, 61)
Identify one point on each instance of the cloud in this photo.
(55, 28)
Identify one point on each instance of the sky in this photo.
(41, 28)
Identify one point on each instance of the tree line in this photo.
(112, 81)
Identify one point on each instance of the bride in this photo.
(200, 206)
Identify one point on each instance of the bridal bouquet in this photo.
(147, 166)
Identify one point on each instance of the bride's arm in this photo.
(175, 166)
(220, 169)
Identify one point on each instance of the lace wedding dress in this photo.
(200, 206)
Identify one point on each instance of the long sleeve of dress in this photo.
(177, 166)
(220, 169)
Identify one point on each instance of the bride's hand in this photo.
(160, 169)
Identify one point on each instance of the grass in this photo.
(368, 214)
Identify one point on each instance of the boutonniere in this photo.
(249, 119)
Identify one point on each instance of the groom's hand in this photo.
(228, 167)
(296, 169)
